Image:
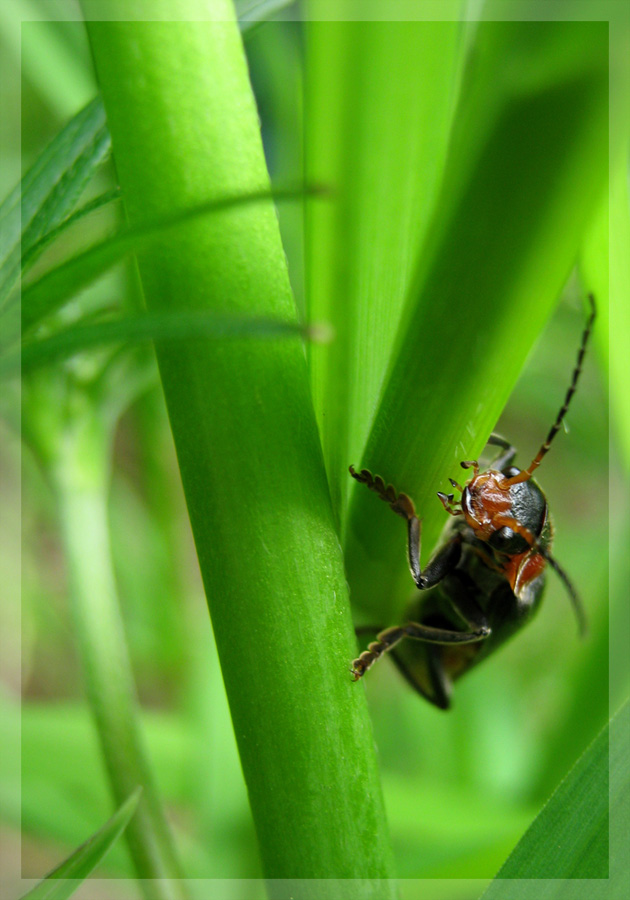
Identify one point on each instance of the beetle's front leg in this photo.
(445, 559)
(401, 504)
(439, 566)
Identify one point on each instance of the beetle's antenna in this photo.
(527, 473)
(578, 607)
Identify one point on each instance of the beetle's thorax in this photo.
(486, 502)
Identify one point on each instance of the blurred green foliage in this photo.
(519, 722)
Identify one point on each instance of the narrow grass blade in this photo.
(158, 327)
(379, 103)
(39, 246)
(54, 184)
(54, 288)
(565, 852)
(64, 880)
(78, 466)
(50, 190)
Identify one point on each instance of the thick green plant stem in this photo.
(184, 128)
(80, 472)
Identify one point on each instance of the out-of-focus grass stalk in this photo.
(80, 472)
(184, 127)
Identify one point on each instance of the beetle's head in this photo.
(508, 516)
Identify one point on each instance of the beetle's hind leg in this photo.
(388, 639)
(437, 689)
(385, 640)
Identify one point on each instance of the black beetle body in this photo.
(500, 577)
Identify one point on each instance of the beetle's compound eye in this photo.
(511, 471)
(505, 540)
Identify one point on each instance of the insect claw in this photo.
(446, 501)
(357, 670)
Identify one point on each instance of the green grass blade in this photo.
(379, 102)
(77, 457)
(52, 187)
(248, 448)
(131, 329)
(54, 288)
(50, 190)
(253, 12)
(39, 246)
(527, 165)
(569, 838)
(64, 880)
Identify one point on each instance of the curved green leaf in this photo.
(63, 881)
(50, 291)
(570, 837)
(33, 252)
(49, 191)
(143, 327)
(379, 102)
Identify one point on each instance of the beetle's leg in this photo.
(432, 635)
(443, 562)
(401, 504)
(385, 640)
(447, 501)
(438, 678)
(438, 567)
(445, 559)
(503, 459)
(427, 633)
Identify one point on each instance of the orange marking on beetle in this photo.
(520, 570)
(485, 500)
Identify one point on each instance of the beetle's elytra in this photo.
(486, 579)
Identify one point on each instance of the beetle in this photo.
(486, 579)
